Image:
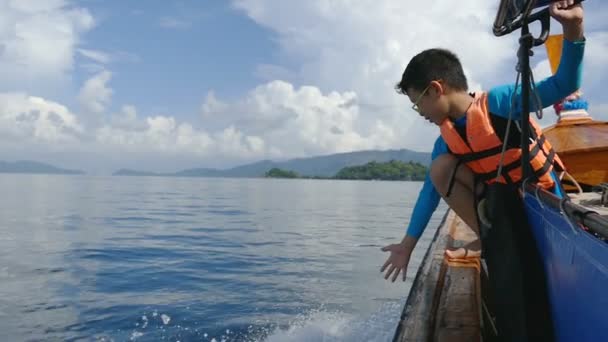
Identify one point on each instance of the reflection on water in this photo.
(147, 258)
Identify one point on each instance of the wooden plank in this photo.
(458, 314)
(445, 301)
(417, 318)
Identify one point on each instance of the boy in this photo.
(435, 83)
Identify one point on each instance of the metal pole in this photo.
(525, 49)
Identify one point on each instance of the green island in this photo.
(275, 172)
(391, 170)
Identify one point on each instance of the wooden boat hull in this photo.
(583, 147)
(589, 168)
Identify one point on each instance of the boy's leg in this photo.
(462, 196)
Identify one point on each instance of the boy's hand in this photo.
(566, 12)
(570, 16)
(399, 258)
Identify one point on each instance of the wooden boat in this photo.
(449, 299)
(582, 144)
(445, 301)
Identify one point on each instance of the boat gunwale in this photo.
(579, 150)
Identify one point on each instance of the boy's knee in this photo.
(441, 170)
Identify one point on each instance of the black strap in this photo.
(473, 156)
(507, 168)
(551, 155)
(508, 178)
(546, 166)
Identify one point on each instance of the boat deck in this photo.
(592, 201)
(444, 303)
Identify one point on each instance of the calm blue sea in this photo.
(200, 259)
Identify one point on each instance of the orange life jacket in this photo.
(481, 151)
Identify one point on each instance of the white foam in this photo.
(166, 319)
(341, 327)
(135, 335)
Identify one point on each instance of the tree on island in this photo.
(275, 172)
(392, 170)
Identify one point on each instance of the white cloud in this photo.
(126, 118)
(95, 95)
(163, 134)
(97, 56)
(211, 105)
(298, 122)
(363, 46)
(97, 61)
(542, 70)
(599, 111)
(34, 125)
(273, 121)
(35, 6)
(329, 89)
(38, 39)
(596, 66)
(594, 70)
(30, 119)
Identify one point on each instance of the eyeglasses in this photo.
(415, 105)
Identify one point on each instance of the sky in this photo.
(163, 86)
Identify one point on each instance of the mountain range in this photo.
(28, 166)
(323, 166)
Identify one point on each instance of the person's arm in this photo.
(566, 80)
(428, 199)
(427, 202)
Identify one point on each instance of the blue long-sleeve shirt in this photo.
(566, 80)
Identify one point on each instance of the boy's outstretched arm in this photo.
(427, 202)
(566, 80)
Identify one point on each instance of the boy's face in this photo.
(429, 102)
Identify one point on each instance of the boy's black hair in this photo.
(433, 65)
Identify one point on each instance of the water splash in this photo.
(336, 326)
(314, 325)
(135, 335)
